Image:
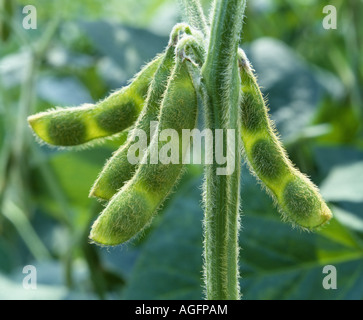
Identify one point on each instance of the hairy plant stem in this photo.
(194, 15)
(221, 86)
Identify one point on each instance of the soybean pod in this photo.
(78, 125)
(118, 168)
(134, 206)
(297, 197)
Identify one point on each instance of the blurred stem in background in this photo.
(353, 47)
(18, 150)
(19, 154)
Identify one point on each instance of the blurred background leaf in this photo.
(312, 78)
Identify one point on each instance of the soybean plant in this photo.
(297, 196)
(118, 169)
(74, 126)
(202, 62)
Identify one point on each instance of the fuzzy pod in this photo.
(78, 125)
(118, 168)
(134, 206)
(297, 197)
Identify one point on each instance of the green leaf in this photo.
(287, 264)
(170, 262)
(344, 183)
(13, 68)
(349, 219)
(6, 256)
(49, 282)
(292, 90)
(66, 91)
(277, 262)
(329, 157)
(11, 290)
(76, 172)
(127, 48)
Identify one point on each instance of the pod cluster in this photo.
(166, 92)
(163, 93)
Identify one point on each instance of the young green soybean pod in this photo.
(118, 168)
(298, 198)
(134, 206)
(78, 125)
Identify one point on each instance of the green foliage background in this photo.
(313, 79)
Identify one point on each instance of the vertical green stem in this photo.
(221, 84)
